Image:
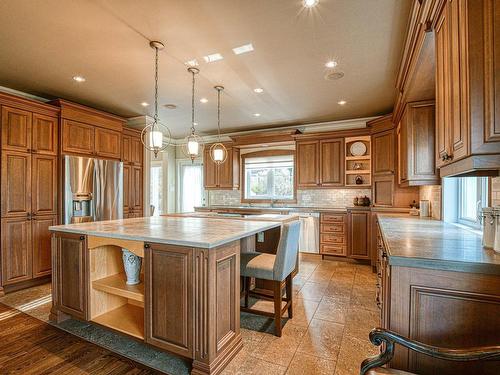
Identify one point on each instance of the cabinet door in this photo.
(126, 148)
(16, 250)
(41, 239)
(383, 190)
(403, 149)
(307, 164)
(136, 188)
(332, 162)
(77, 138)
(44, 185)
(16, 129)
(226, 171)
(359, 234)
(168, 298)
(136, 153)
(383, 153)
(108, 143)
(44, 139)
(16, 184)
(72, 271)
(210, 171)
(127, 173)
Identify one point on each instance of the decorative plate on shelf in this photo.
(358, 149)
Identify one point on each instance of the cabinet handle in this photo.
(82, 238)
(146, 246)
(446, 157)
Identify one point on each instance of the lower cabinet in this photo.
(168, 298)
(41, 239)
(358, 223)
(71, 285)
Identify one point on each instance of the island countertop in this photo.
(182, 231)
(249, 217)
(427, 243)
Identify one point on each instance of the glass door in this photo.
(190, 177)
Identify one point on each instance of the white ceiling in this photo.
(45, 43)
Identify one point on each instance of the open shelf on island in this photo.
(116, 284)
(127, 319)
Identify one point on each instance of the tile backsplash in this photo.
(309, 198)
(495, 191)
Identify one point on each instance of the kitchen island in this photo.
(188, 300)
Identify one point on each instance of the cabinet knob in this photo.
(82, 238)
(446, 157)
(146, 246)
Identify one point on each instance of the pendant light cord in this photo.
(156, 85)
(218, 112)
(192, 104)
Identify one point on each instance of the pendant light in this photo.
(156, 136)
(193, 143)
(218, 152)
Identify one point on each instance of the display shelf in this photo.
(128, 319)
(358, 171)
(116, 284)
(364, 157)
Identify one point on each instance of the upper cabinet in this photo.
(89, 132)
(468, 87)
(225, 175)
(416, 145)
(320, 163)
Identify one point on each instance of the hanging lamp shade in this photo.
(156, 136)
(193, 144)
(218, 152)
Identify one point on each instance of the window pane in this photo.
(472, 195)
(192, 187)
(269, 177)
(155, 188)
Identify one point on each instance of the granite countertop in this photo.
(261, 217)
(303, 208)
(423, 242)
(183, 231)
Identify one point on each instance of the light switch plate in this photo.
(260, 237)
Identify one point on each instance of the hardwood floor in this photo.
(29, 346)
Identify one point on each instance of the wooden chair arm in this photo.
(379, 336)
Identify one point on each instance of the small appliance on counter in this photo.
(488, 220)
(496, 245)
(361, 201)
(425, 208)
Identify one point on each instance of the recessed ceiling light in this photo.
(213, 57)
(256, 114)
(79, 79)
(243, 49)
(331, 64)
(192, 62)
(170, 106)
(333, 75)
(204, 100)
(310, 3)
(341, 102)
(144, 104)
(258, 90)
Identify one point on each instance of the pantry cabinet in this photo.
(133, 170)
(467, 87)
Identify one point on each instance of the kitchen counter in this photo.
(427, 243)
(300, 209)
(259, 217)
(200, 232)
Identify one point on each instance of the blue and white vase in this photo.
(132, 265)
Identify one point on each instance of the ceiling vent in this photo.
(333, 76)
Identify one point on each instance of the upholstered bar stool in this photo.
(276, 268)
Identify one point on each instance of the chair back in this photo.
(288, 248)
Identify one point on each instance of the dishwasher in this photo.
(309, 232)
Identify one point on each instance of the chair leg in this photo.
(277, 308)
(289, 295)
(247, 290)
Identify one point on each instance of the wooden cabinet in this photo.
(307, 164)
(78, 138)
(320, 163)
(467, 89)
(416, 145)
(168, 298)
(383, 145)
(383, 190)
(333, 234)
(44, 134)
(358, 223)
(107, 143)
(71, 274)
(16, 250)
(133, 173)
(331, 162)
(29, 188)
(41, 243)
(16, 129)
(225, 175)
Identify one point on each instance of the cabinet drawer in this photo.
(332, 218)
(333, 249)
(332, 238)
(333, 228)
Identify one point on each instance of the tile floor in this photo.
(334, 310)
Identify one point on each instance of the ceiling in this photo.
(46, 43)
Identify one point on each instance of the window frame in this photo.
(265, 153)
(483, 195)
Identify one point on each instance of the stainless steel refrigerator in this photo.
(93, 189)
